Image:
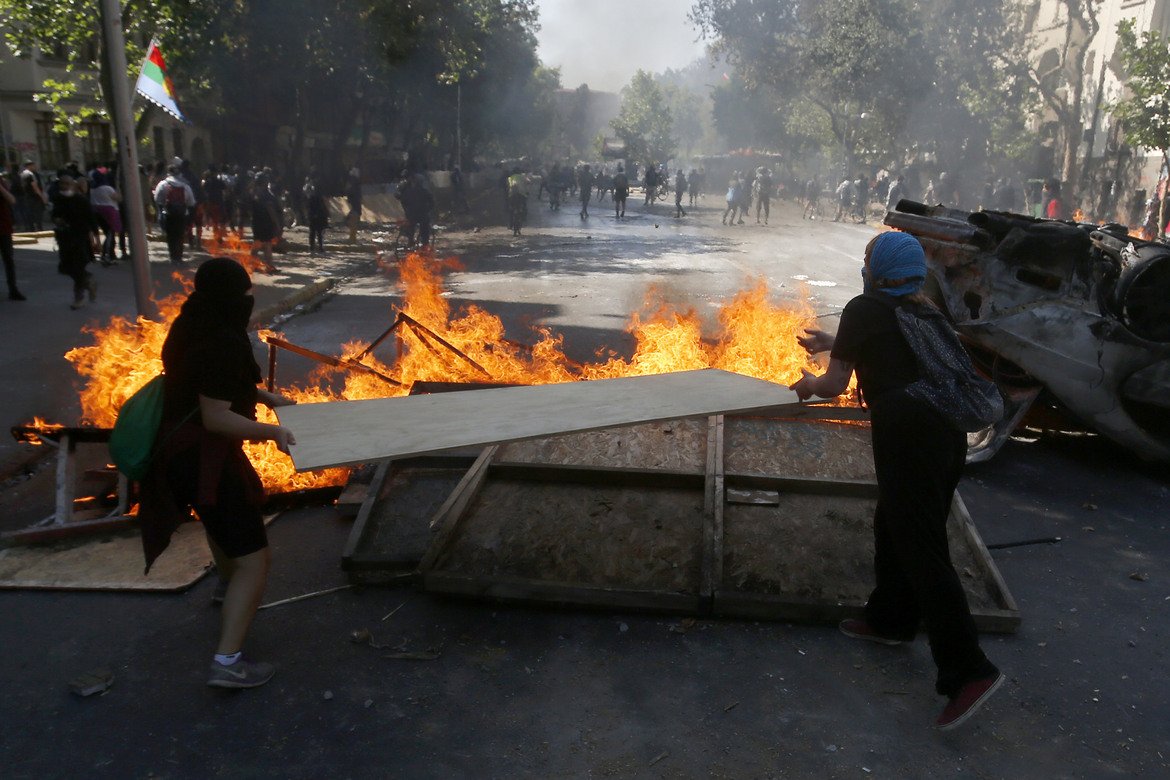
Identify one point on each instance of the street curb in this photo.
(305, 294)
(35, 234)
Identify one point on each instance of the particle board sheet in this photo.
(820, 548)
(644, 540)
(110, 561)
(678, 445)
(347, 432)
(798, 448)
(393, 527)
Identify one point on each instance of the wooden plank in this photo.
(363, 517)
(526, 591)
(450, 514)
(713, 510)
(595, 475)
(824, 487)
(982, 556)
(347, 432)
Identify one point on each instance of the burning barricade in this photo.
(1069, 313)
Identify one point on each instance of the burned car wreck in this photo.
(1059, 314)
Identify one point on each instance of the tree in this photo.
(644, 121)
(1145, 114)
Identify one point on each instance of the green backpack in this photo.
(136, 429)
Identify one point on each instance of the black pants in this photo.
(175, 227)
(919, 459)
(9, 259)
(317, 236)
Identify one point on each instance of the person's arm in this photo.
(7, 195)
(219, 418)
(188, 196)
(273, 400)
(828, 385)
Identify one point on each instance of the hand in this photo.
(283, 437)
(815, 341)
(805, 387)
(276, 399)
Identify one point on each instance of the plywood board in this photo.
(107, 562)
(348, 432)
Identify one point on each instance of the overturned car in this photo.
(1077, 315)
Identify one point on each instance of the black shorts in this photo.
(235, 523)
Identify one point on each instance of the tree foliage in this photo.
(884, 76)
(644, 121)
(323, 65)
(1145, 114)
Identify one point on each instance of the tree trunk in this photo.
(1161, 231)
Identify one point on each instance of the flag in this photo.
(155, 85)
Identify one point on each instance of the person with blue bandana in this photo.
(918, 457)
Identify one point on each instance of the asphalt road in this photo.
(545, 693)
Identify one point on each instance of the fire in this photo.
(1079, 216)
(224, 243)
(750, 335)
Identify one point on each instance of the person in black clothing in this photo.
(265, 219)
(318, 212)
(7, 223)
(75, 228)
(209, 410)
(621, 191)
(585, 189)
(417, 206)
(918, 457)
(650, 182)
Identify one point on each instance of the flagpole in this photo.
(115, 51)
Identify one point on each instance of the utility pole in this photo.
(114, 46)
(459, 125)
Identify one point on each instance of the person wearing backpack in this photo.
(174, 199)
(210, 394)
(918, 457)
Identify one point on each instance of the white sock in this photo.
(229, 659)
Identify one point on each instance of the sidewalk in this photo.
(35, 378)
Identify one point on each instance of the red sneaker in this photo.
(968, 701)
(860, 629)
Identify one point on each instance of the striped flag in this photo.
(155, 85)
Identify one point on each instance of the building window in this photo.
(177, 141)
(95, 146)
(160, 144)
(52, 146)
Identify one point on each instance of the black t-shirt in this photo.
(870, 339)
(213, 364)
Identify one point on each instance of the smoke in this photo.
(603, 42)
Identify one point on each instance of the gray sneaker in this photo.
(242, 674)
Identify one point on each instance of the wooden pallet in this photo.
(551, 522)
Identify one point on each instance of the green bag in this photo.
(135, 431)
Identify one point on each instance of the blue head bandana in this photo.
(897, 256)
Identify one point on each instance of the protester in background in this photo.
(1053, 205)
(733, 197)
(265, 219)
(762, 191)
(353, 194)
(174, 199)
(418, 206)
(844, 199)
(585, 189)
(75, 228)
(7, 220)
(209, 410)
(214, 191)
(918, 456)
(517, 188)
(650, 182)
(459, 192)
(680, 189)
(105, 201)
(35, 197)
(318, 212)
(621, 191)
(692, 186)
(897, 192)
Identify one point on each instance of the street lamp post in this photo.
(115, 52)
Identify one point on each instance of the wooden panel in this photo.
(349, 432)
(447, 519)
(528, 591)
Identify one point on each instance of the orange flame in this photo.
(752, 335)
